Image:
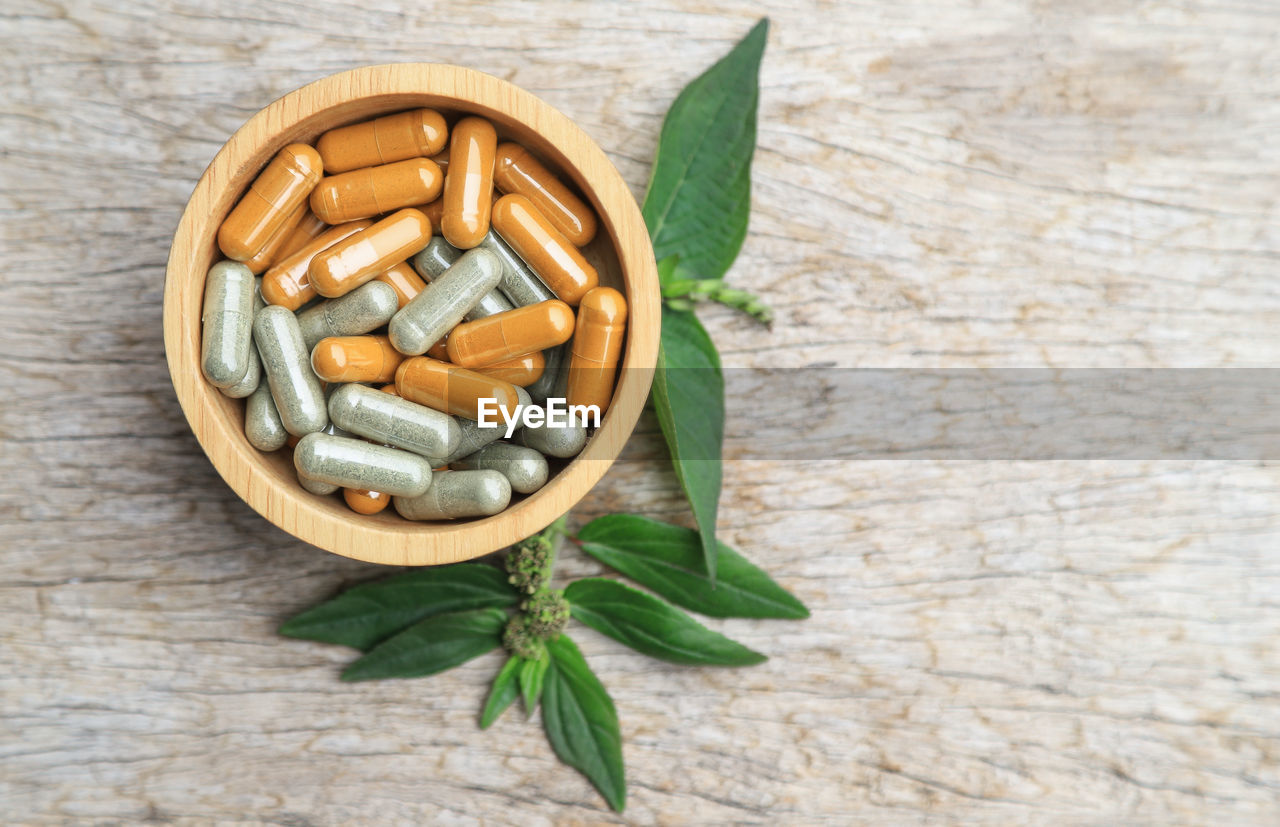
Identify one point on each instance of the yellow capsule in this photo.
(404, 280)
(597, 344)
(516, 171)
(451, 389)
(307, 229)
(468, 185)
(271, 199)
(512, 333)
(544, 248)
(360, 258)
(385, 140)
(366, 502)
(522, 371)
(274, 251)
(363, 193)
(288, 282)
(355, 359)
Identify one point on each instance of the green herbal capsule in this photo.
(457, 494)
(322, 489)
(252, 378)
(473, 437)
(524, 468)
(294, 386)
(555, 375)
(443, 303)
(518, 282)
(354, 463)
(553, 442)
(438, 256)
(227, 320)
(334, 430)
(262, 423)
(386, 418)
(366, 308)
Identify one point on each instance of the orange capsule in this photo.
(367, 192)
(360, 258)
(273, 252)
(452, 389)
(512, 333)
(365, 502)
(550, 255)
(468, 186)
(355, 359)
(434, 211)
(404, 280)
(441, 159)
(384, 140)
(271, 199)
(597, 344)
(288, 282)
(516, 171)
(440, 350)
(307, 229)
(522, 371)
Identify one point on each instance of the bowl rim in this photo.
(281, 122)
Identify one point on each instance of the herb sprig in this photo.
(427, 621)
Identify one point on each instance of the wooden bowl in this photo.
(621, 252)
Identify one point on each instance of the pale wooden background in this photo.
(1022, 183)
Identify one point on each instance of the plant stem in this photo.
(683, 293)
(554, 533)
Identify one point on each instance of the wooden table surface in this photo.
(1016, 183)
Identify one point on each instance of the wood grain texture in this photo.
(1017, 184)
(268, 482)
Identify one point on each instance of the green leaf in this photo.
(532, 675)
(688, 397)
(667, 270)
(502, 694)
(581, 722)
(699, 194)
(668, 559)
(652, 626)
(371, 612)
(432, 645)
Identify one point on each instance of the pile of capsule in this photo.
(369, 344)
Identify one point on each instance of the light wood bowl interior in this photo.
(621, 252)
